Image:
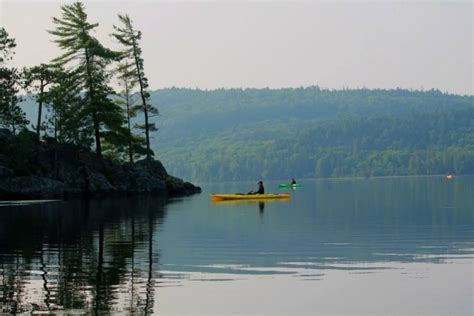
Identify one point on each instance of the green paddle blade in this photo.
(289, 185)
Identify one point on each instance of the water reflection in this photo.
(116, 255)
(86, 255)
(261, 208)
(259, 203)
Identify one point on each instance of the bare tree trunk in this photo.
(145, 108)
(40, 108)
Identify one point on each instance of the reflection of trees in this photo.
(149, 283)
(95, 255)
(12, 287)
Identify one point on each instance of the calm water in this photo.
(378, 246)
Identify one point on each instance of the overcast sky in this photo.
(333, 44)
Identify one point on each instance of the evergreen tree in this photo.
(130, 38)
(89, 60)
(68, 117)
(37, 79)
(11, 115)
(7, 44)
(127, 82)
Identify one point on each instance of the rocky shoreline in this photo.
(60, 171)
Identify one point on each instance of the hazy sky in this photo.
(334, 44)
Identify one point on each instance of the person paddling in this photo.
(261, 189)
(293, 181)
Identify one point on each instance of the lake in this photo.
(345, 246)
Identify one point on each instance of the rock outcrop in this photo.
(54, 170)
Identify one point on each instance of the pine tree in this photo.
(89, 60)
(130, 38)
(37, 79)
(67, 111)
(126, 80)
(11, 115)
(7, 44)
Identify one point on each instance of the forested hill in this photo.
(240, 134)
(248, 134)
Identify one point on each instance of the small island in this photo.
(31, 169)
(94, 138)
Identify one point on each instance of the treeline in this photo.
(244, 134)
(75, 89)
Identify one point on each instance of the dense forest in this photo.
(246, 134)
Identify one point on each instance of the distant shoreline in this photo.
(338, 178)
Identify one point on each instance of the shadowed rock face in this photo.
(55, 170)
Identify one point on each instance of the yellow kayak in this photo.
(248, 201)
(241, 196)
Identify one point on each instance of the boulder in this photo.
(146, 176)
(141, 185)
(117, 175)
(148, 168)
(86, 181)
(31, 187)
(5, 172)
(54, 169)
(177, 187)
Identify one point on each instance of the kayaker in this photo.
(261, 189)
(293, 181)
